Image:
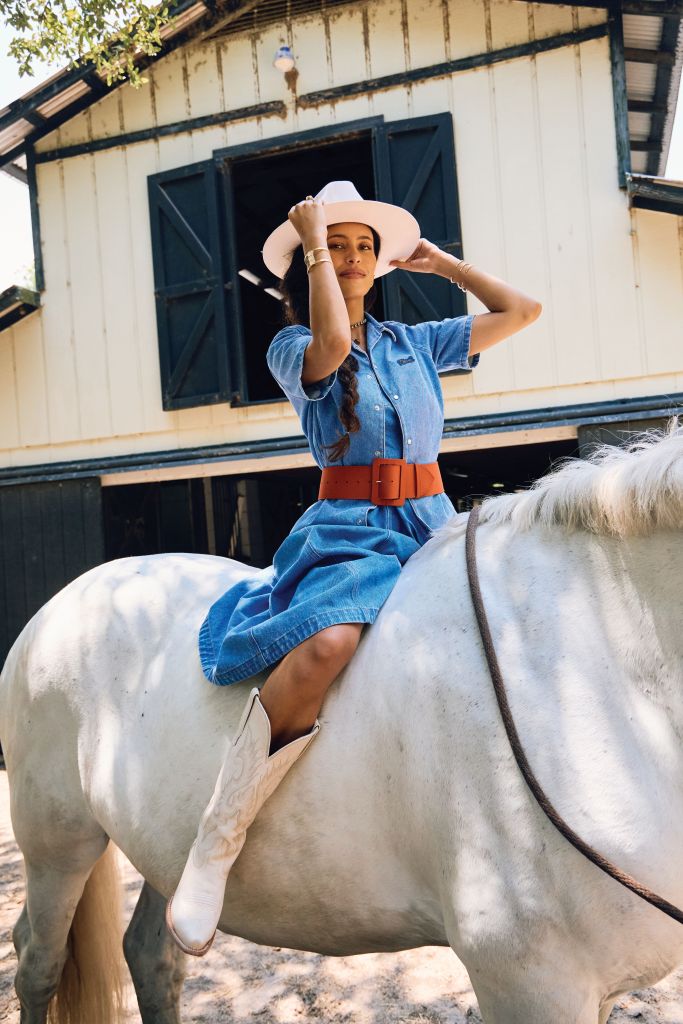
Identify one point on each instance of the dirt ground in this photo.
(238, 982)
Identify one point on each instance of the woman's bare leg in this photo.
(294, 691)
(290, 699)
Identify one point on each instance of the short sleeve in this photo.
(450, 343)
(285, 358)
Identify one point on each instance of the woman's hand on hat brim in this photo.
(308, 218)
(422, 261)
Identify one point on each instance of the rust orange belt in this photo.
(383, 482)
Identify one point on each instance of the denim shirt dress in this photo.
(343, 556)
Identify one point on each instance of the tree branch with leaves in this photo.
(111, 34)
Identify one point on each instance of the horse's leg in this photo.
(533, 989)
(156, 964)
(41, 933)
(605, 1011)
(509, 1004)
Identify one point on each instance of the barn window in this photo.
(218, 306)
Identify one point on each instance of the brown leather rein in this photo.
(513, 736)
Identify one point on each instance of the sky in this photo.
(16, 249)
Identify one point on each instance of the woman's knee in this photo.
(334, 645)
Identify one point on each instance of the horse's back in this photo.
(114, 598)
(80, 668)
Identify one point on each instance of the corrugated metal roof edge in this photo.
(674, 86)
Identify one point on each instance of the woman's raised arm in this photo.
(510, 309)
(331, 341)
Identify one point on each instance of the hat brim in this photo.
(398, 230)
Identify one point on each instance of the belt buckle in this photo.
(376, 481)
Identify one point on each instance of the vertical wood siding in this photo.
(51, 533)
(540, 207)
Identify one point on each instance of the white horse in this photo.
(408, 822)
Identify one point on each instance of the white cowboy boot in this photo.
(247, 778)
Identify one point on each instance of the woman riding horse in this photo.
(376, 507)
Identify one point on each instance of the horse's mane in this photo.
(625, 491)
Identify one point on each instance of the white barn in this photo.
(136, 410)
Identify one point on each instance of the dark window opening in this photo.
(218, 307)
(241, 517)
(146, 519)
(469, 476)
(264, 189)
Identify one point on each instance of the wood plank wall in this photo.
(50, 533)
(539, 203)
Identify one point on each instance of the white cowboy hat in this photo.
(398, 230)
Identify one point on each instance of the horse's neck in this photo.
(648, 573)
(590, 596)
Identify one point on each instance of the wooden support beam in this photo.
(651, 193)
(226, 15)
(649, 8)
(35, 217)
(16, 302)
(641, 56)
(273, 108)
(201, 458)
(652, 8)
(449, 67)
(616, 53)
(646, 107)
(15, 171)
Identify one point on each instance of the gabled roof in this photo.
(653, 55)
(68, 92)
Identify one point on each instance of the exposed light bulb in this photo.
(284, 58)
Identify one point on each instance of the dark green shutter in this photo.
(415, 168)
(193, 293)
(50, 533)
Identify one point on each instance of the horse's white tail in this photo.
(91, 986)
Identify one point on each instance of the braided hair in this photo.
(294, 288)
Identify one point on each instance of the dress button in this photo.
(369, 375)
(377, 407)
(395, 396)
(378, 453)
(410, 440)
(359, 521)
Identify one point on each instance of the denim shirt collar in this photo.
(374, 331)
